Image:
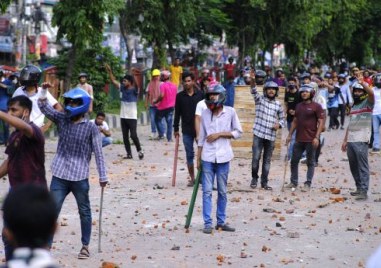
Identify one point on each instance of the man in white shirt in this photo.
(346, 100)
(376, 114)
(29, 77)
(219, 124)
(102, 125)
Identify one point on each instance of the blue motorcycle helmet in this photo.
(215, 89)
(80, 98)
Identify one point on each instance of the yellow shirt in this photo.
(176, 71)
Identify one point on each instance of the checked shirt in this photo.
(267, 113)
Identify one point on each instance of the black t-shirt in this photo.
(291, 99)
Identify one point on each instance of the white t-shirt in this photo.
(201, 106)
(36, 116)
(104, 126)
(377, 101)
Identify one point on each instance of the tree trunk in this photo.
(124, 33)
(69, 68)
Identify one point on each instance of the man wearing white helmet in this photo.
(357, 136)
(309, 121)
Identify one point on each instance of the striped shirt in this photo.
(359, 128)
(76, 142)
(267, 114)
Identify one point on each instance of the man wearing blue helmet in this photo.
(219, 124)
(269, 117)
(78, 139)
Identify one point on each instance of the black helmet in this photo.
(83, 75)
(358, 98)
(260, 77)
(377, 80)
(30, 75)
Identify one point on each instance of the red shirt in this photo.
(229, 69)
(26, 158)
(307, 115)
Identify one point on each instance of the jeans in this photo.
(167, 115)
(221, 172)
(357, 153)
(60, 188)
(333, 114)
(127, 126)
(106, 141)
(188, 141)
(376, 123)
(292, 142)
(267, 146)
(152, 116)
(299, 148)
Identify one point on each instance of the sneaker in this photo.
(207, 230)
(290, 186)
(375, 151)
(253, 183)
(141, 155)
(306, 187)
(342, 128)
(152, 136)
(129, 156)
(159, 138)
(225, 228)
(190, 183)
(266, 187)
(362, 196)
(355, 193)
(303, 160)
(84, 253)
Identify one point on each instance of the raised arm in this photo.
(17, 123)
(111, 75)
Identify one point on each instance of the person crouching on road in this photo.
(357, 137)
(219, 124)
(77, 140)
(308, 123)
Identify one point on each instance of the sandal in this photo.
(84, 253)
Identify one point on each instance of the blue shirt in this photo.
(76, 142)
(230, 91)
(4, 97)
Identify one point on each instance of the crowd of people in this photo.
(203, 111)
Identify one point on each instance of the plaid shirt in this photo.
(75, 144)
(267, 113)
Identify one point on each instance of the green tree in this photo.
(91, 61)
(81, 23)
(4, 5)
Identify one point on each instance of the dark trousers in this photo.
(129, 125)
(267, 146)
(357, 153)
(342, 110)
(299, 148)
(333, 115)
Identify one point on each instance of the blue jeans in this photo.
(299, 148)
(221, 172)
(267, 147)
(358, 162)
(60, 188)
(292, 142)
(106, 141)
(376, 122)
(152, 116)
(167, 115)
(188, 141)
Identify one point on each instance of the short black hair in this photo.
(29, 212)
(21, 100)
(187, 74)
(101, 114)
(129, 78)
